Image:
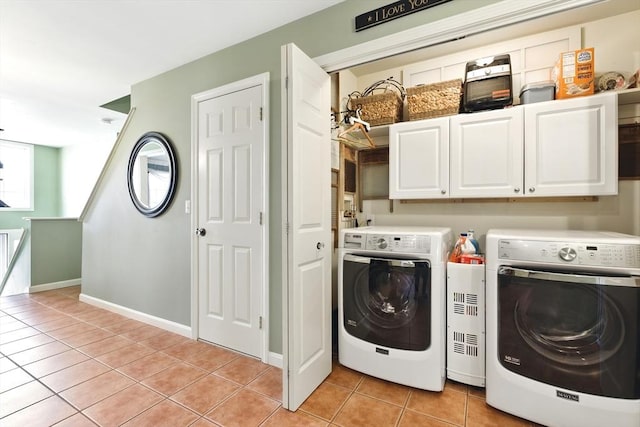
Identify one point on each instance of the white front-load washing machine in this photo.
(563, 326)
(391, 303)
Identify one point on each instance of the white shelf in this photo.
(629, 96)
(382, 130)
(380, 134)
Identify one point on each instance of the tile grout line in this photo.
(111, 369)
(55, 394)
(466, 408)
(404, 407)
(169, 397)
(360, 381)
(72, 347)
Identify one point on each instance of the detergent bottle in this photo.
(463, 246)
(473, 241)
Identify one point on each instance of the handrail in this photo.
(106, 165)
(14, 259)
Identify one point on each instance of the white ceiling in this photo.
(61, 59)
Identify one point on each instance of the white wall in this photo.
(80, 166)
(618, 50)
(619, 213)
(615, 41)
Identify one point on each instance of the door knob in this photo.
(201, 232)
(320, 245)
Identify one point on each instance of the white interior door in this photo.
(307, 258)
(231, 267)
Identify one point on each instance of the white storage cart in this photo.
(466, 323)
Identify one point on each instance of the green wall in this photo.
(56, 250)
(46, 187)
(144, 264)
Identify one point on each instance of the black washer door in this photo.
(387, 301)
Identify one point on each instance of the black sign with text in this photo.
(392, 11)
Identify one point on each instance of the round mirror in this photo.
(152, 174)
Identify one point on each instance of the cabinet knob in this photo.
(516, 190)
(443, 191)
(532, 189)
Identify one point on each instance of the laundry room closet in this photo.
(360, 151)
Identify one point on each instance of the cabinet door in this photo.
(571, 146)
(486, 152)
(419, 159)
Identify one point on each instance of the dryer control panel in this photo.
(587, 254)
(403, 243)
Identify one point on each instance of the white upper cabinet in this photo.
(571, 147)
(555, 148)
(419, 159)
(486, 152)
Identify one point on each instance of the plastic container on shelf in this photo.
(538, 92)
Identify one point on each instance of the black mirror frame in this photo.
(162, 207)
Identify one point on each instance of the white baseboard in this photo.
(55, 285)
(275, 359)
(167, 325)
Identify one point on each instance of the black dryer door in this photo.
(575, 331)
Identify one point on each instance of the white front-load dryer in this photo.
(563, 326)
(391, 303)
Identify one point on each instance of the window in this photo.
(16, 176)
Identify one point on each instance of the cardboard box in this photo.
(574, 74)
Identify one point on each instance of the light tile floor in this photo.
(67, 363)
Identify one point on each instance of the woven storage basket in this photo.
(434, 100)
(381, 109)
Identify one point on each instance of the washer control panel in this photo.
(403, 243)
(588, 254)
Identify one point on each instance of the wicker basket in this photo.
(382, 109)
(434, 100)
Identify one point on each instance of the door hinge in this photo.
(286, 82)
(260, 323)
(261, 114)
(260, 218)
